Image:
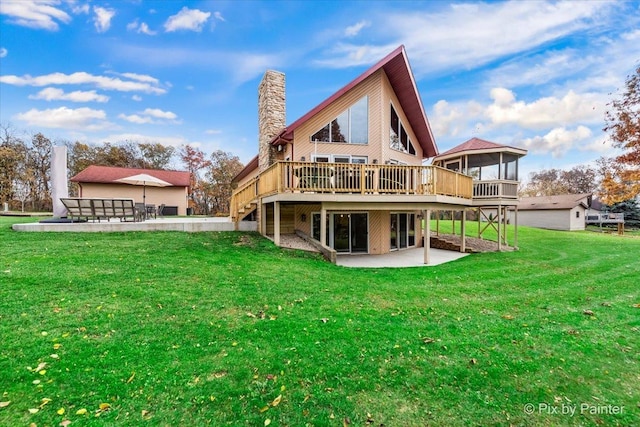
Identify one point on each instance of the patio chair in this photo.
(159, 210)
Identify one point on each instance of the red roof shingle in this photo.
(110, 175)
(476, 144)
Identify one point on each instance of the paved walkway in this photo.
(404, 258)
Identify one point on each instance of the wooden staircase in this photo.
(246, 209)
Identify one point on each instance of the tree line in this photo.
(25, 169)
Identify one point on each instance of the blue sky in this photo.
(532, 74)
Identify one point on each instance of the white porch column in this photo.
(323, 225)
(515, 229)
(463, 244)
(499, 227)
(276, 223)
(427, 234)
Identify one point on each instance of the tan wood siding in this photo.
(303, 147)
(287, 225)
(389, 97)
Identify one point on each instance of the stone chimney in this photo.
(271, 115)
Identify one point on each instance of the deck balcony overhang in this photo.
(368, 186)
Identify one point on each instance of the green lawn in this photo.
(226, 329)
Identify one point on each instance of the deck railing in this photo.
(303, 177)
(495, 189)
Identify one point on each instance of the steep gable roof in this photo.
(110, 175)
(477, 144)
(396, 67)
(562, 201)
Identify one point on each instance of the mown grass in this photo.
(226, 329)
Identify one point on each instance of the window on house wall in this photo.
(339, 158)
(577, 214)
(398, 136)
(351, 126)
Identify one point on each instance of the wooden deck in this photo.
(347, 178)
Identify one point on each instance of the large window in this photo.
(398, 137)
(351, 126)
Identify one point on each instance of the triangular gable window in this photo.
(398, 137)
(351, 126)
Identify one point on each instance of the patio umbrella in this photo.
(144, 180)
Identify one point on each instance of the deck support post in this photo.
(427, 234)
(323, 225)
(515, 228)
(499, 228)
(463, 237)
(263, 219)
(276, 223)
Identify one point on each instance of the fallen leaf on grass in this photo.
(65, 423)
(636, 305)
(54, 356)
(60, 411)
(133, 375)
(588, 313)
(4, 404)
(57, 346)
(507, 317)
(346, 422)
(473, 362)
(267, 422)
(277, 400)
(40, 367)
(81, 411)
(264, 409)
(428, 340)
(33, 410)
(45, 400)
(145, 414)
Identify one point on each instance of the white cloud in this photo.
(102, 20)
(557, 141)
(155, 112)
(139, 83)
(66, 118)
(468, 35)
(141, 78)
(545, 112)
(136, 98)
(151, 115)
(3, 52)
(187, 19)
(78, 9)
(218, 16)
(55, 94)
(354, 30)
(140, 28)
(213, 132)
(37, 14)
(135, 118)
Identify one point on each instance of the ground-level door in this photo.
(403, 230)
(347, 232)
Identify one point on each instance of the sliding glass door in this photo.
(403, 231)
(346, 232)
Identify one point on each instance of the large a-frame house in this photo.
(349, 174)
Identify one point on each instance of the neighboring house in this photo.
(349, 173)
(564, 212)
(103, 182)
